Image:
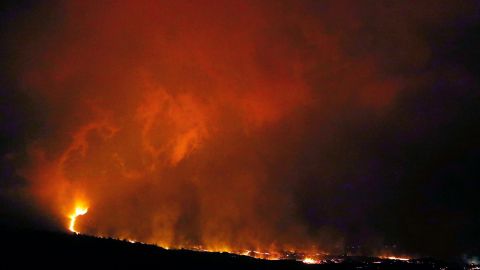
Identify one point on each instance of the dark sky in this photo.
(264, 124)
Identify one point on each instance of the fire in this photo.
(79, 211)
(395, 258)
(308, 260)
(157, 117)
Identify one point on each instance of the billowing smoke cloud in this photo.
(245, 124)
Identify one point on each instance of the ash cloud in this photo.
(266, 125)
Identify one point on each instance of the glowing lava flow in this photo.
(79, 211)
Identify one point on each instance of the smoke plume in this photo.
(233, 125)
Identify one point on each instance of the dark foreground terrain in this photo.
(49, 250)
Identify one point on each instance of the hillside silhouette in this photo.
(54, 250)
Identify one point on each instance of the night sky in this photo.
(231, 125)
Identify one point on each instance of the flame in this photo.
(395, 258)
(309, 260)
(79, 211)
